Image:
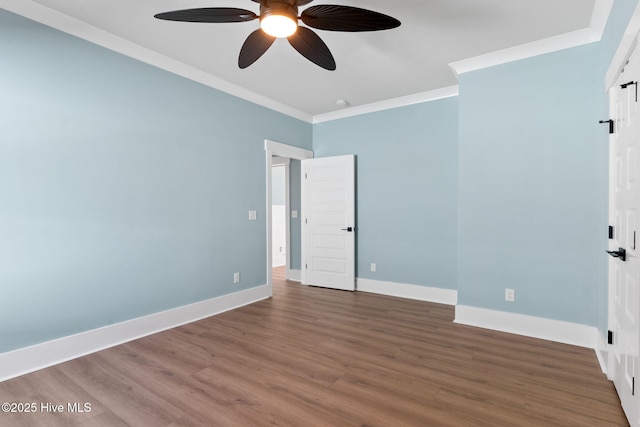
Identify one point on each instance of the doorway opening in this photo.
(288, 157)
(280, 227)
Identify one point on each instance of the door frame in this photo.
(623, 52)
(273, 148)
(628, 44)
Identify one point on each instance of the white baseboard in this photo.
(29, 359)
(403, 290)
(295, 275)
(530, 326)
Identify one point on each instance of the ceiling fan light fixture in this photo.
(279, 20)
(278, 25)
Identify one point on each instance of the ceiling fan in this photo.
(279, 18)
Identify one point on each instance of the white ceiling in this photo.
(371, 67)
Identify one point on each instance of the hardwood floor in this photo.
(320, 357)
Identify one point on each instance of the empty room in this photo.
(293, 212)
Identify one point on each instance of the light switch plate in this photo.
(294, 214)
(253, 215)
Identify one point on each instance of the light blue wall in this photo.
(533, 174)
(617, 24)
(124, 190)
(406, 179)
(532, 186)
(295, 226)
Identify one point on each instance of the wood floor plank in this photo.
(320, 357)
(256, 403)
(113, 386)
(47, 389)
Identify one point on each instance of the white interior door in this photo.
(328, 229)
(624, 272)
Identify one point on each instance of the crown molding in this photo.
(416, 98)
(59, 21)
(599, 18)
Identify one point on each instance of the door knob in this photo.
(620, 253)
(349, 229)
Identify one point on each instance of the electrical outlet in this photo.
(509, 295)
(236, 277)
(373, 266)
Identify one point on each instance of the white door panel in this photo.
(624, 275)
(328, 199)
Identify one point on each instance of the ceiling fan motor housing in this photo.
(280, 8)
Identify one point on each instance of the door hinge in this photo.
(610, 337)
(626, 85)
(306, 176)
(306, 267)
(611, 130)
(611, 231)
(305, 221)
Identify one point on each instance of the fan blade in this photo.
(254, 47)
(312, 47)
(209, 14)
(347, 18)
